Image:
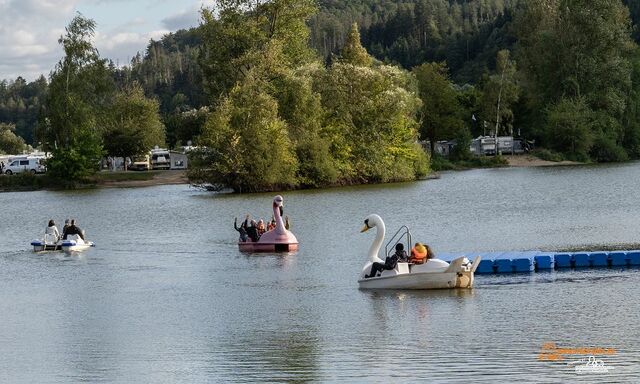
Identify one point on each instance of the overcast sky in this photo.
(29, 29)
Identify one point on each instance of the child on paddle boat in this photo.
(418, 254)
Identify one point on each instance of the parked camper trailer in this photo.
(160, 159)
(140, 163)
(486, 145)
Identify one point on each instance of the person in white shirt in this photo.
(53, 230)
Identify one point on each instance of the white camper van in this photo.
(24, 164)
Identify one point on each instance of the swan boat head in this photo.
(278, 204)
(372, 221)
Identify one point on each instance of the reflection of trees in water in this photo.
(289, 355)
(413, 320)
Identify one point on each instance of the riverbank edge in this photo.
(132, 179)
(104, 179)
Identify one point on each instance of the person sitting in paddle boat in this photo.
(252, 229)
(402, 254)
(72, 229)
(52, 231)
(389, 263)
(261, 228)
(419, 254)
(242, 230)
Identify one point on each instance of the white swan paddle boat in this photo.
(433, 274)
(73, 243)
(279, 239)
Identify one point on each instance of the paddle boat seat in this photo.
(401, 268)
(75, 238)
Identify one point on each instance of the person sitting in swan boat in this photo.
(242, 230)
(252, 229)
(261, 228)
(402, 254)
(389, 263)
(419, 254)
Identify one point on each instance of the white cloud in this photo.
(186, 18)
(28, 46)
(122, 47)
(29, 31)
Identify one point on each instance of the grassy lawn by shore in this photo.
(30, 182)
(108, 176)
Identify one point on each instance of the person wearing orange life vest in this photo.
(420, 253)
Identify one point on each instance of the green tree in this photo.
(301, 107)
(353, 52)
(499, 93)
(440, 110)
(9, 142)
(233, 28)
(569, 125)
(75, 107)
(371, 123)
(185, 127)
(247, 145)
(133, 126)
(577, 49)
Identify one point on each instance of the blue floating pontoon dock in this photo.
(529, 261)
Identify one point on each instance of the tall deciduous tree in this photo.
(499, 93)
(75, 108)
(247, 147)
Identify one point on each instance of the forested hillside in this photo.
(465, 34)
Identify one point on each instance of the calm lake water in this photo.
(167, 297)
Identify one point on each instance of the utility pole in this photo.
(498, 110)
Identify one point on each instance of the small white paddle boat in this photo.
(73, 243)
(49, 243)
(433, 274)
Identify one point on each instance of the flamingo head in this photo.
(370, 222)
(278, 202)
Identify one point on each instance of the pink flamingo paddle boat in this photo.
(278, 239)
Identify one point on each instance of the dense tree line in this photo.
(20, 104)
